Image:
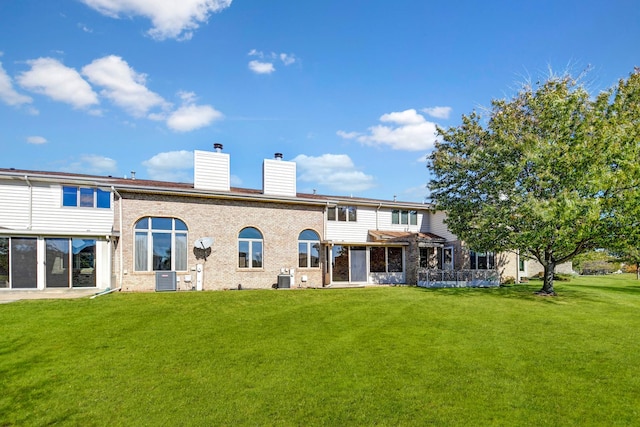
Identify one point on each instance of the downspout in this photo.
(377, 215)
(324, 236)
(26, 178)
(120, 255)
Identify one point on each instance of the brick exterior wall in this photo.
(279, 223)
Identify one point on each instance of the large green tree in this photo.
(551, 172)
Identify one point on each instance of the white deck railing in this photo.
(428, 278)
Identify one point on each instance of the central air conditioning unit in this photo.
(165, 281)
(284, 281)
(285, 278)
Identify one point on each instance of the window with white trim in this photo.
(308, 249)
(160, 244)
(385, 259)
(85, 197)
(482, 260)
(404, 217)
(342, 213)
(250, 245)
(431, 257)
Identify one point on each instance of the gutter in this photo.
(226, 196)
(63, 233)
(193, 192)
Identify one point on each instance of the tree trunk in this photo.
(637, 270)
(547, 286)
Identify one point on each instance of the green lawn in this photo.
(384, 356)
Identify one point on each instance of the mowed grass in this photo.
(374, 356)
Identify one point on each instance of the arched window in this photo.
(160, 244)
(250, 248)
(308, 249)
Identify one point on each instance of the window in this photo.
(340, 263)
(385, 260)
(250, 248)
(404, 217)
(308, 249)
(377, 260)
(431, 257)
(436, 258)
(331, 214)
(160, 244)
(394, 256)
(447, 258)
(85, 197)
(481, 260)
(342, 213)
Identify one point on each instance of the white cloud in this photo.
(93, 164)
(438, 112)
(50, 77)
(259, 67)
(407, 131)
(122, 85)
(287, 59)
(407, 117)
(191, 116)
(85, 28)
(7, 93)
(36, 140)
(171, 166)
(265, 65)
(334, 171)
(170, 18)
(348, 135)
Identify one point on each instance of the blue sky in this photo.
(351, 90)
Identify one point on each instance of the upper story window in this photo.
(342, 213)
(250, 244)
(85, 197)
(482, 260)
(160, 244)
(308, 249)
(404, 217)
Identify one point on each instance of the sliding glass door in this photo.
(4, 262)
(24, 263)
(57, 265)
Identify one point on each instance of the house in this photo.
(62, 230)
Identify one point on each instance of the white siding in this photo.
(211, 171)
(14, 205)
(279, 178)
(353, 231)
(50, 216)
(434, 223)
(385, 222)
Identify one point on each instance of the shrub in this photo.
(509, 280)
